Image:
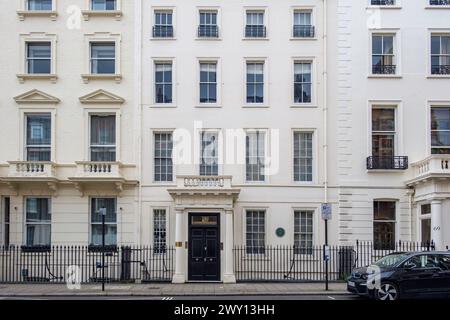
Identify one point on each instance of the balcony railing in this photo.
(87, 169)
(255, 31)
(439, 2)
(304, 31)
(162, 31)
(382, 2)
(32, 169)
(433, 165)
(208, 31)
(387, 163)
(384, 69)
(440, 69)
(204, 182)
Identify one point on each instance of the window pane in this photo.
(384, 210)
(38, 129)
(377, 44)
(383, 145)
(40, 5)
(159, 231)
(255, 234)
(383, 119)
(303, 156)
(440, 118)
(388, 44)
(110, 234)
(163, 165)
(109, 204)
(38, 221)
(384, 235)
(103, 130)
(435, 45)
(209, 153)
(255, 156)
(103, 50)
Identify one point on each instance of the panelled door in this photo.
(204, 247)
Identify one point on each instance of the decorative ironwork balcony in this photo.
(304, 31)
(208, 31)
(382, 2)
(32, 170)
(384, 69)
(440, 69)
(387, 163)
(255, 31)
(440, 2)
(162, 31)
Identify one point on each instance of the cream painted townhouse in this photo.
(213, 130)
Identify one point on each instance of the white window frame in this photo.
(90, 146)
(25, 156)
(397, 5)
(37, 37)
(218, 103)
(250, 9)
(88, 112)
(23, 12)
(154, 61)
(244, 227)
(396, 221)
(266, 102)
(215, 9)
(198, 148)
(104, 37)
(23, 130)
(316, 221)
(420, 218)
(266, 155)
(312, 10)
(314, 155)
(25, 223)
(167, 227)
(117, 224)
(153, 144)
(435, 32)
(397, 43)
(154, 10)
(117, 8)
(433, 104)
(397, 105)
(314, 82)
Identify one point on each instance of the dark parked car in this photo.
(404, 275)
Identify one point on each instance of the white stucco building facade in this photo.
(206, 125)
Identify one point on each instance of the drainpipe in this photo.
(325, 104)
(138, 102)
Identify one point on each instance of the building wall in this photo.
(70, 208)
(352, 91)
(279, 195)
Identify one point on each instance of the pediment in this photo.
(101, 96)
(36, 96)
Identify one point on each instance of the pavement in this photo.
(217, 290)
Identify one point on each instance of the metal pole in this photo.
(326, 261)
(103, 252)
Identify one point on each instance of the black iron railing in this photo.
(384, 69)
(440, 2)
(256, 31)
(304, 31)
(382, 2)
(208, 31)
(57, 264)
(387, 163)
(162, 31)
(287, 263)
(440, 69)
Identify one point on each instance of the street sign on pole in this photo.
(326, 211)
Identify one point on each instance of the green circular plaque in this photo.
(280, 232)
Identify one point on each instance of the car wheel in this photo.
(387, 291)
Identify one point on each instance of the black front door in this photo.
(204, 247)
